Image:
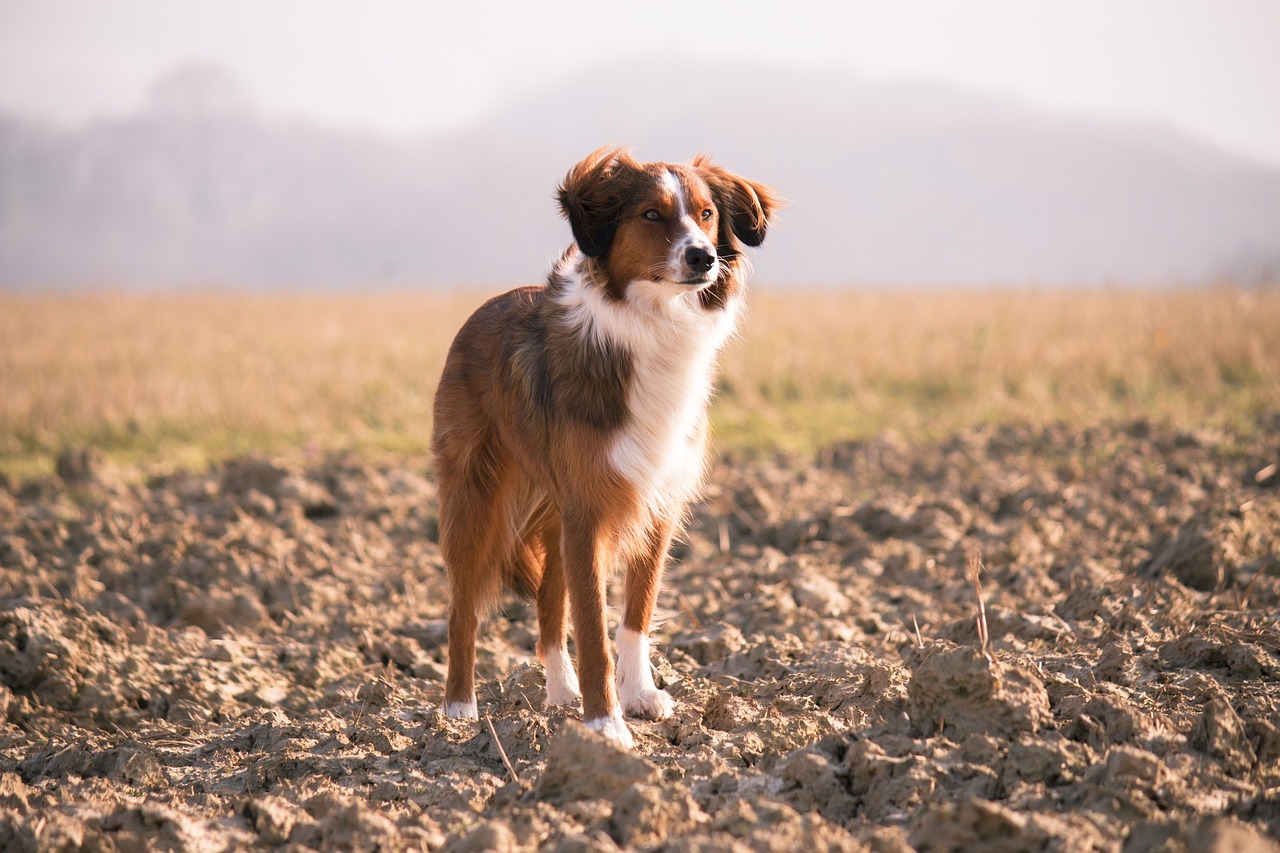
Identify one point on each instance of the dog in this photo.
(570, 422)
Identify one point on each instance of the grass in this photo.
(178, 381)
(828, 366)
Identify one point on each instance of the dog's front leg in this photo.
(639, 696)
(582, 541)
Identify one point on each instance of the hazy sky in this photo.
(1211, 67)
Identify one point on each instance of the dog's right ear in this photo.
(592, 194)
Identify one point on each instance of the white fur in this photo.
(562, 681)
(673, 342)
(671, 184)
(462, 710)
(637, 693)
(673, 362)
(692, 235)
(613, 728)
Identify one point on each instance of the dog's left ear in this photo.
(592, 194)
(746, 207)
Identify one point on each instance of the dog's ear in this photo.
(746, 207)
(592, 195)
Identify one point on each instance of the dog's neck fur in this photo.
(672, 338)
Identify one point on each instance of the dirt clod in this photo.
(960, 691)
(583, 765)
(1220, 732)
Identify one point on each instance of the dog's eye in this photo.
(653, 216)
(707, 214)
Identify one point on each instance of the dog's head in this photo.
(677, 225)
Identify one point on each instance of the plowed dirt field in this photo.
(253, 657)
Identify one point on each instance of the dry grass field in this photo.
(182, 380)
(1012, 586)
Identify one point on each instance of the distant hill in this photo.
(889, 183)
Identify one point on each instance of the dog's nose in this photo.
(699, 259)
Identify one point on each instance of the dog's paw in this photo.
(462, 710)
(648, 703)
(562, 681)
(558, 695)
(639, 696)
(613, 728)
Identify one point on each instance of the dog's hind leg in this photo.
(639, 696)
(476, 540)
(553, 650)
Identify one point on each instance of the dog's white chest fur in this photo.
(673, 343)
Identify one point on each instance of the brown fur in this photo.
(526, 411)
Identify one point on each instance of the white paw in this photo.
(462, 710)
(637, 693)
(613, 728)
(648, 703)
(562, 681)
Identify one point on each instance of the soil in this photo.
(1019, 638)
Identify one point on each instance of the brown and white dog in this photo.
(570, 422)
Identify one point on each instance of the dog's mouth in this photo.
(702, 280)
